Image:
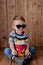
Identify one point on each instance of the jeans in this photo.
(8, 51)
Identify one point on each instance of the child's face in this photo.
(19, 26)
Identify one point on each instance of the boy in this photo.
(19, 45)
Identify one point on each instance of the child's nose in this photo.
(21, 28)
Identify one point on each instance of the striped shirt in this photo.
(20, 42)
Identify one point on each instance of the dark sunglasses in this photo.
(19, 26)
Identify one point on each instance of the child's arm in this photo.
(14, 52)
(11, 43)
(27, 52)
(12, 47)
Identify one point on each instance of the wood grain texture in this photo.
(3, 23)
(5, 61)
(37, 21)
(1, 53)
(31, 10)
(39, 55)
(42, 24)
(14, 63)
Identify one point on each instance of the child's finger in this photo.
(13, 57)
(26, 54)
(30, 53)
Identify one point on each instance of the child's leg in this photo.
(32, 51)
(7, 52)
(19, 61)
(28, 58)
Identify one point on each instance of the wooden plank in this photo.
(11, 14)
(19, 7)
(42, 25)
(29, 20)
(14, 63)
(5, 60)
(1, 52)
(3, 23)
(40, 55)
(36, 18)
(25, 12)
(33, 62)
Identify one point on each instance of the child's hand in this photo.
(27, 52)
(14, 52)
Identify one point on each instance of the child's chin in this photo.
(20, 33)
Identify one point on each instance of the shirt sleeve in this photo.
(10, 40)
(27, 41)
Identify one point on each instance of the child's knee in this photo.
(7, 51)
(32, 50)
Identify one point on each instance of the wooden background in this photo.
(31, 10)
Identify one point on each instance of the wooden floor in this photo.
(37, 60)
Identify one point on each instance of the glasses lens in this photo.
(23, 26)
(18, 26)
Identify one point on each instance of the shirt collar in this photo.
(18, 34)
